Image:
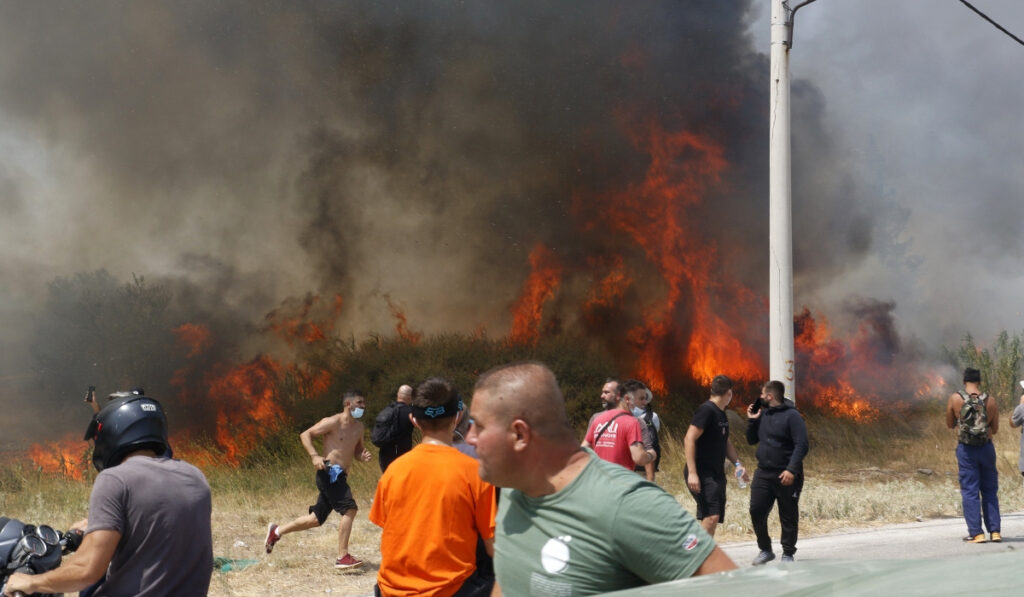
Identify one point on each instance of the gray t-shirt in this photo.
(162, 508)
(609, 529)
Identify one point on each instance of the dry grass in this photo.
(857, 476)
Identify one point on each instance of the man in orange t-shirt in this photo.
(432, 506)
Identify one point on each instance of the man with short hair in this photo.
(650, 424)
(707, 445)
(616, 435)
(774, 424)
(975, 416)
(392, 430)
(570, 523)
(609, 400)
(432, 506)
(148, 531)
(342, 443)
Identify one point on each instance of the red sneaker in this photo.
(347, 563)
(272, 537)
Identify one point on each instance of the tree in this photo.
(95, 330)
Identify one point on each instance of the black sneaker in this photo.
(763, 558)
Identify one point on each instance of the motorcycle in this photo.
(31, 549)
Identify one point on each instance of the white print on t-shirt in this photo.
(607, 439)
(554, 556)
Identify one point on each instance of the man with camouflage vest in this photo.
(975, 416)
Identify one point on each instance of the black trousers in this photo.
(765, 490)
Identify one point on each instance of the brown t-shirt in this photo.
(162, 508)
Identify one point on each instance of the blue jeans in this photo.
(978, 475)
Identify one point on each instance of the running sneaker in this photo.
(272, 537)
(763, 558)
(979, 538)
(348, 562)
(996, 537)
(787, 558)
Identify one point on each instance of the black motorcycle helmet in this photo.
(124, 425)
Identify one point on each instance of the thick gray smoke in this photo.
(417, 151)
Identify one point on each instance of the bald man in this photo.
(392, 429)
(569, 522)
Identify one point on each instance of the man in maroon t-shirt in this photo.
(615, 435)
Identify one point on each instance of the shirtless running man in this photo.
(342, 442)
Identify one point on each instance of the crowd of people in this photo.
(498, 497)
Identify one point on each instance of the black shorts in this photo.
(711, 499)
(335, 496)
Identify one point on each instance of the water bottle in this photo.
(739, 476)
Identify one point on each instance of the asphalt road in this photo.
(911, 541)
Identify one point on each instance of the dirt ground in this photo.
(302, 563)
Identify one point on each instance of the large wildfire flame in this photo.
(680, 317)
(653, 215)
(695, 321)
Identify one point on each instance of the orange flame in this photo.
(653, 213)
(196, 338)
(249, 408)
(291, 322)
(828, 364)
(844, 401)
(540, 287)
(402, 324)
(68, 457)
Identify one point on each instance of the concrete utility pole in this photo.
(782, 359)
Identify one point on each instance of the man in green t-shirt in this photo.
(568, 522)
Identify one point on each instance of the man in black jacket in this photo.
(392, 430)
(781, 435)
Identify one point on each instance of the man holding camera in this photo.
(774, 424)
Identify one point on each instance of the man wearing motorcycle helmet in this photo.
(149, 516)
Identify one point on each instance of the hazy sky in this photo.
(924, 100)
(418, 153)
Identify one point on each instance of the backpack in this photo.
(649, 419)
(973, 429)
(385, 426)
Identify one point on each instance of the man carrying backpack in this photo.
(976, 419)
(392, 429)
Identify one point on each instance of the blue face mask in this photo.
(357, 412)
(638, 412)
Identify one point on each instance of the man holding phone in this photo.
(774, 424)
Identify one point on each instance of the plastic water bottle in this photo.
(739, 477)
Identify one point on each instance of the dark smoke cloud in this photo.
(242, 153)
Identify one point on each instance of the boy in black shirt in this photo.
(707, 445)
